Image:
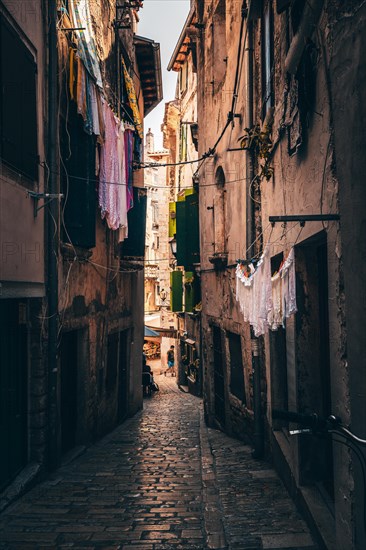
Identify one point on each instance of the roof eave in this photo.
(181, 38)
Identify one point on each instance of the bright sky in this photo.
(162, 21)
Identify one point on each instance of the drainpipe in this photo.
(257, 401)
(52, 240)
(249, 124)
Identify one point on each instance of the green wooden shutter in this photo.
(176, 291)
(172, 220)
(189, 287)
(192, 231)
(134, 245)
(181, 232)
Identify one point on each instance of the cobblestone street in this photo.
(161, 480)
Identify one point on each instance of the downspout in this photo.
(257, 401)
(52, 240)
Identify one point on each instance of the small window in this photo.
(18, 106)
(183, 143)
(237, 387)
(183, 84)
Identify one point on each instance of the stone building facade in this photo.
(157, 284)
(72, 279)
(273, 124)
(183, 211)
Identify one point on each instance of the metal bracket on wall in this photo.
(302, 218)
(37, 196)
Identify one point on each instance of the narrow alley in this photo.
(161, 480)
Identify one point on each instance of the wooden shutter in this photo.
(181, 232)
(172, 220)
(134, 245)
(176, 291)
(79, 184)
(189, 291)
(192, 231)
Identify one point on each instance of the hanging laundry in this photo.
(72, 81)
(132, 100)
(129, 161)
(81, 19)
(122, 193)
(94, 114)
(88, 121)
(101, 124)
(254, 293)
(275, 317)
(81, 88)
(267, 301)
(109, 171)
(288, 279)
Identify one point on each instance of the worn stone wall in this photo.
(305, 126)
(307, 182)
(97, 298)
(222, 199)
(347, 83)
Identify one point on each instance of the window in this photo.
(219, 48)
(267, 59)
(155, 214)
(183, 142)
(183, 78)
(237, 387)
(18, 113)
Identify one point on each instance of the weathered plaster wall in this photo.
(222, 205)
(22, 244)
(96, 297)
(307, 183)
(348, 82)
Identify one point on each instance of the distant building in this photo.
(181, 135)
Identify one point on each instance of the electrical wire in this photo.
(211, 151)
(168, 187)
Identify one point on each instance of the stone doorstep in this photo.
(295, 540)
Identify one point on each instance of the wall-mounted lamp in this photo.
(173, 246)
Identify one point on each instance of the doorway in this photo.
(13, 389)
(219, 382)
(313, 362)
(69, 393)
(123, 359)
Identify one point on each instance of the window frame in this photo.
(25, 129)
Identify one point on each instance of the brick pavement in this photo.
(162, 480)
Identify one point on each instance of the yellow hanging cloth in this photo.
(132, 100)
